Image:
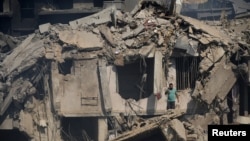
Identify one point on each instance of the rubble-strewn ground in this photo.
(120, 38)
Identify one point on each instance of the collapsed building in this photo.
(103, 77)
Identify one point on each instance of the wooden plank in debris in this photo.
(104, 85)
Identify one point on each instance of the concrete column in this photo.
(102, 129)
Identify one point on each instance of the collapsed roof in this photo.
(120, 38)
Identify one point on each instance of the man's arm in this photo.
(166, 92)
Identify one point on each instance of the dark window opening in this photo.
(186, 72)
(79, 129)
(13, 135)
(64, 4)
(1, 6)
(135, 80)
(65, 67)
(27, 8)
(98, 3)
(244, 94)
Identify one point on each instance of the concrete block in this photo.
(133, 33)
(129, 42)
(26, 123)
(225, 79)
(179, 129)
(81, 39)
(44, 27)
(7, 124)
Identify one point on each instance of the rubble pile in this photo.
(120, 37)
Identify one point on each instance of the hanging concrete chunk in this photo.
(81, 39)
(189, 45)
(213, 54)
(224, 77)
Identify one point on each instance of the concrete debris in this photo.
(81, 39)
(101, 17)
(149, 125)
(44, 28)
(76, 70)
(177, 128)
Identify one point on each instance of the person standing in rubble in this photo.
(171, 94)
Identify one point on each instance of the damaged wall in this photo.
(71, 70)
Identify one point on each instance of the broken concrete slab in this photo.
(215, 53)
(133, 33)
(105, 31)
(81, 39)
(129, 42)
(224, 77)
(204, 41)
(198, 25)
(162, 21)
(101, 17)
(189, 45)
(20, 59)
(26, 123)
(44, 27)
(148, 125)
(211, 56)
(179, 129)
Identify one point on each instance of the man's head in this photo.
(171, 85)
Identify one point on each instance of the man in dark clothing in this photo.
(171, 96)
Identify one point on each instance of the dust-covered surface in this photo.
(120, 38)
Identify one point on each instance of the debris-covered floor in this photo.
(40, 71)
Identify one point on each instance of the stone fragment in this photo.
(44, 27)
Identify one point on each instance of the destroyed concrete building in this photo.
(213, 9)
(103, 77)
